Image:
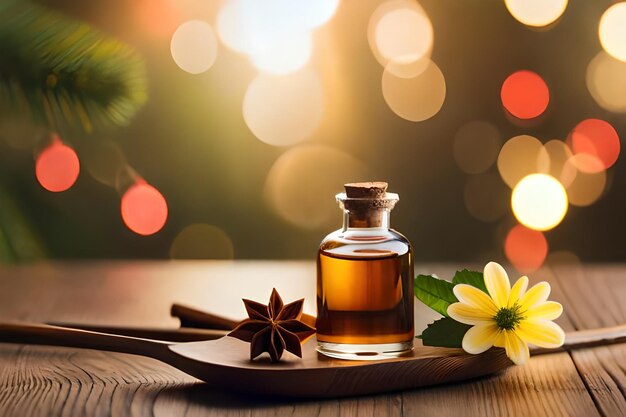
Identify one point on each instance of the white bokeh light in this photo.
(539, 202)
(286, 56)
(537, 13)
(194, 46)
(285, 110)
(401, 37)
(404, 35)
(275, 34)
(612, 31)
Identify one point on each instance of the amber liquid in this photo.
(364, 298)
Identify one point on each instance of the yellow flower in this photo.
(508, 317)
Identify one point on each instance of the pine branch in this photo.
(63, 72)
(18, 240)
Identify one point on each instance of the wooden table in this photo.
(47, 381)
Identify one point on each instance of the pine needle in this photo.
(64, 73)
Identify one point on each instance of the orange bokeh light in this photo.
(144, 209)
(57, 167)
(525, 94)
(525, 248)
(597, 138)
(157, 17)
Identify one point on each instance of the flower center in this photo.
(507, 318)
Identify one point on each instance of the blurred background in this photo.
(223, 129)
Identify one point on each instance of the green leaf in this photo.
(434, 292)
(473, 278)
(444, 332)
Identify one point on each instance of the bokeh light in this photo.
(202, 241)
(552, 160)
(587, 187)
(606, 81)
(286, 56)
(303, 181)
(518, 158)
(156, 17)
(525, 248)
(539, 202)
(57, 166)
(194, 46)
(564, 257)
(144, 209)
(233, 26)
(313, 14)
(598, 138)
(476, 146)
(486, 197)
(612, 31)
(401, 37)
(282, 111)
(418, 98)
(537, 13)
(249, 26)
(275, 34)
(404, 35)
(525, 94)
(408, 70)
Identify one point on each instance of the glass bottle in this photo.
(365, 280)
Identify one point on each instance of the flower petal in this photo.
(549, 310)
(497, 282)
(542, 333)
(538, 293)
(519, 288)
(499, 342)
(516, 348)
(474, 297)
(469, 315)
(479, 338)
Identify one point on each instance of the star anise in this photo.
(273, 328)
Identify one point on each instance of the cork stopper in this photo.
(367, 202)
(376, 189)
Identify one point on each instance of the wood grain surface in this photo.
(45, 381)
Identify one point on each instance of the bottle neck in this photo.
(377, 219)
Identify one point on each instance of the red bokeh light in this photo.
(57, 167)
(597, 138)
(525, 94)
(525, 248)
(144, 209)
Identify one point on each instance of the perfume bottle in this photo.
(365, 280)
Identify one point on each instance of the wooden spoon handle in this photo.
(192, 317)
(588, 338)
(41, 334)
(182, 334)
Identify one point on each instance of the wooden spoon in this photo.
(224, 363)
